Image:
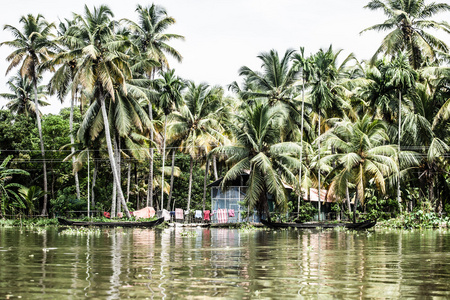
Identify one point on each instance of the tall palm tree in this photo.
(402, 77)
(20, 100)
(62, 81)
(152, 44)
(362, 155)
(257, 150)
(302, 63)
(407, 22)
(168, 88)
(102, 69)
(327, 95)
(196, 125)
(33, 47)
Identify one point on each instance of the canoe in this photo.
(111, 224)
(313, 225)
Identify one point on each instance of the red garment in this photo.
(107, 215)
(206, 215)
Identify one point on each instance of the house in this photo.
(233, 197)
(230, 198)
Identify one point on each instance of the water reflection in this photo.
(154, 264)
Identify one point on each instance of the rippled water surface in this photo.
(223, 263)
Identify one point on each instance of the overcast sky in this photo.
(221, 36)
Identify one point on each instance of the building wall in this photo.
(229, 199)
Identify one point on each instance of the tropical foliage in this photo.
(373, 134)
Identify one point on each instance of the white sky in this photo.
(221, 36)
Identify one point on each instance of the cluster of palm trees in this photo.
(299, 121)
(350, 127)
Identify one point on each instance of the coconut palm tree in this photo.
(302, 63)
(169, 98)
(20, 100)
(152, 44)
(257, 150)
(196, 124)
(327, 95)
(402, 78)
(362, 155)
(277, 82)
(408, 21)
(102, 69)
(61, 82)
(32, 47)
(425, 130)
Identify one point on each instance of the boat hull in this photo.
(111, 224)
(361, 225)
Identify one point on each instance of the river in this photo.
(199, 263)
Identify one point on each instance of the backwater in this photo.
(200, 263)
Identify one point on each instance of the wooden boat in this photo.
(111, 224)
(313, 225)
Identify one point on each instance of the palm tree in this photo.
(257, 150)
(402, 77)
(168, 89)
(21, 97)
(151, 39)
(62, 81)
(425, 129)
(362, 156)
(196, 125)
(408, 21)
(102, 69)
(33, 47)
(302, 63)
(327, 95)
(7, 189)
(277, 82)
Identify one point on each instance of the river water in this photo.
(200, 263)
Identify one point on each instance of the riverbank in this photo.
(417, 219)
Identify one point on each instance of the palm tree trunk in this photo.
(171, 179)
(163, 154)
(399, 197)
(205, 183)
(128, 182)
(72, 149)
(94, 179)
(301, 148)
(347, 196)
(119, 171)
(111, 156)
(191, 167)
(216, 176)
(354, 207)
(150, 172)
(318, 164)
(41, 140)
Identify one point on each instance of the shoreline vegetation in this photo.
(372, 134)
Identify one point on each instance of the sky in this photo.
(223, 35)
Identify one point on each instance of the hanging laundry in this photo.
(222, 216)
(178, 214)
(198, 214)
(206, 215)
(231, 213)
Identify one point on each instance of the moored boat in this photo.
(111, 224)
(313, 225)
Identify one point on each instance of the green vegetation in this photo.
(373, 133)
